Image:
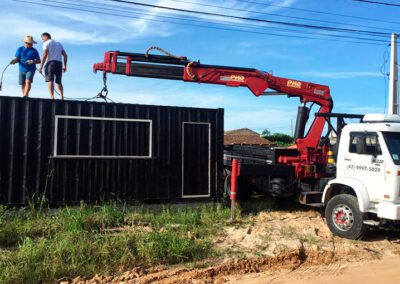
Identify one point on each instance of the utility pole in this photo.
(393, 104)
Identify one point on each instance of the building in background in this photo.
(245, 136)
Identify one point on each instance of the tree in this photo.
(265, 132)
(280, 139)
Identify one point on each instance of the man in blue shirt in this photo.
(28, 57)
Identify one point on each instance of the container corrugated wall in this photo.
(72, 151)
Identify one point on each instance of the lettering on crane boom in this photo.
(294, 84)
(234, 78)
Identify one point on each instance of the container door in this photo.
(196, 159)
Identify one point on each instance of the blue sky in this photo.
(351, 70)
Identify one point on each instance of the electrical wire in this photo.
(320, 12)
(378, 3)
(202, 26)
(275, 15)
(317, 27)
(225, 23)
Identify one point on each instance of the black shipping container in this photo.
(75, 150)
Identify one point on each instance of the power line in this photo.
(379, 3)
(320, 12)
(225, 23)
(365, 32)
(274, 14)
(201, 26)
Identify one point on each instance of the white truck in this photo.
(366, 189)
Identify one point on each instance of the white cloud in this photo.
(77, 27)
(80, 27)
(23, 25)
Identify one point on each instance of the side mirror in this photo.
(361, 146)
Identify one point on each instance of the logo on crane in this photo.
(233, 78)
(294, 84)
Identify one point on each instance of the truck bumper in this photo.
(389, 210)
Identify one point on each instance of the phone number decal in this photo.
(363, 168)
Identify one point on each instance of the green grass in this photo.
(45, 245)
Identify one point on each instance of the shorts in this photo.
(25, 75)
(53, 71)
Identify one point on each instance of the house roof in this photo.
(244, 136)
(241, 131)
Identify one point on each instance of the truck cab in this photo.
(366, 189)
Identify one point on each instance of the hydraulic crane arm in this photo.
(180, 68)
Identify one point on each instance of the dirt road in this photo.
(283, 247)
(366, 272)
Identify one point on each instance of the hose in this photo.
(163, 51)
(182, 58)
(2, 74)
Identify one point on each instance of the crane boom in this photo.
(180, 68)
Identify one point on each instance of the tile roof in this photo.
(244, 136)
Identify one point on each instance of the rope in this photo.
(98, 96)
(101, 95)
(163, 51)
(53, 88)
(2, 74)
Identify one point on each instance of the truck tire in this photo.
(344, 218)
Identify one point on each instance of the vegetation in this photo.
(280, 139)
(44, 245)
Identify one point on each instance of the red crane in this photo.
(310, 153)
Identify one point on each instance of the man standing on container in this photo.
(27, 57)
(53, 52)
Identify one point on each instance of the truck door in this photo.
(364, 161)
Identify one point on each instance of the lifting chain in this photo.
(104, 92)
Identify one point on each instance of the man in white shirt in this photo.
(53, 52)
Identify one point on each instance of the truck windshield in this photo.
(392, 140)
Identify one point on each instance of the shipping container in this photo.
(72, 151)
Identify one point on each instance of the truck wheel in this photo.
(344, 217)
